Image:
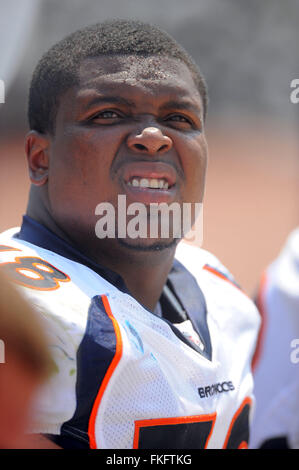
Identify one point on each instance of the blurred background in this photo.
(248, 53)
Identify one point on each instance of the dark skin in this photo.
(125, 110)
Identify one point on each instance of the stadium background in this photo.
(248, 52)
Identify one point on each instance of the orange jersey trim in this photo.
(222, 276)
(261, 306)
(109, 373)
(167, 421)
(243, 444)
(8, 248)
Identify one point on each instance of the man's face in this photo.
(131, 123)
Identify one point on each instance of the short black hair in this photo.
(57, 70)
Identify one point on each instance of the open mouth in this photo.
(149, 183)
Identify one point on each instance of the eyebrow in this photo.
(115, 99)
(109, 99)
(182, 105)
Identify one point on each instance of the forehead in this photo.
(153, 74)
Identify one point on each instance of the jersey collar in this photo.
(181, 298)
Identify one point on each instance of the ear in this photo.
(37, 151)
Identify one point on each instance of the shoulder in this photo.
(229, 310)
(59, 288)
(282, 276)
(278, 301)
(278, 295)
(45, 281)
(199, 261)
(224, 297)
(42, 270)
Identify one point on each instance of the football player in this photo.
(152, 341)
(276, 362)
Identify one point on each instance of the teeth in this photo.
(153, 183)
(144, 183)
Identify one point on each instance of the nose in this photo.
(151, 141)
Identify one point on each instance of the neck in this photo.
(144, 272)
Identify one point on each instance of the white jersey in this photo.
(277, 367)
(127, 378)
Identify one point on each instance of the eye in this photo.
(106, 115)
(180, 120)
